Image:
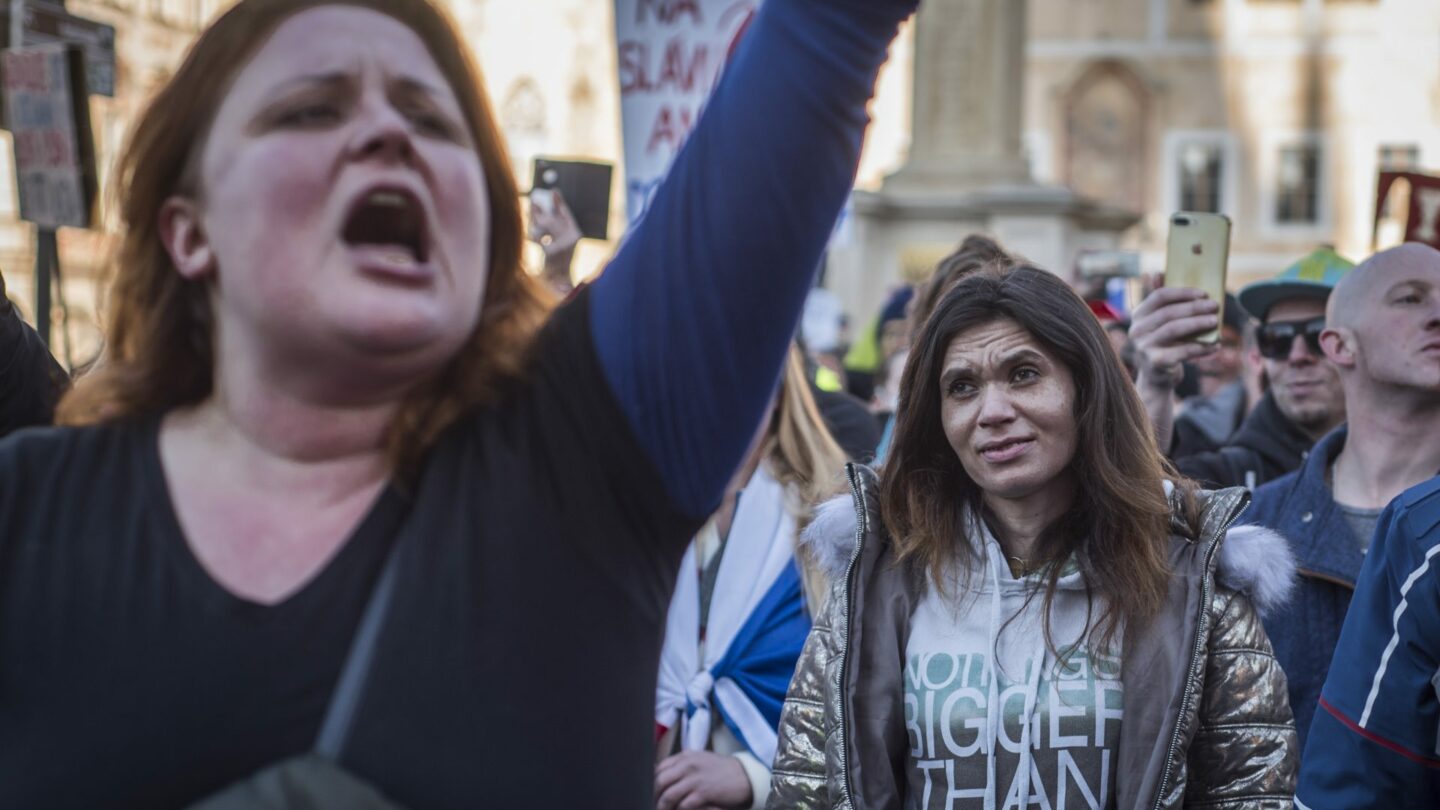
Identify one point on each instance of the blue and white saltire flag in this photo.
(757, 626)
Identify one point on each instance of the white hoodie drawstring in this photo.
(993, 714)
(1032, 697)
(992, 728)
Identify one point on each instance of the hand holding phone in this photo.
(1180, 322)
(584, 188)
(1162, 333)
(552, 224)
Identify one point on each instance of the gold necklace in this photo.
(1019, 567)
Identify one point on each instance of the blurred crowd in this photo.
(357, 511)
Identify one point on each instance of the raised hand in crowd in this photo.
(553, 227)
(1162, 333)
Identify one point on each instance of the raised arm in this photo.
(692, 318)
(1160, 330)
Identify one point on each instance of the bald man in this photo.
(1382, 336)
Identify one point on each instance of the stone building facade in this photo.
(1278, 113)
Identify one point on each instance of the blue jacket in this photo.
(1301, 507)
(1374, 742)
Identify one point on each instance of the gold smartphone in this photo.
(1196, 256)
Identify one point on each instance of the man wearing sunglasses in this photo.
(1383, 340)
(1304, 400)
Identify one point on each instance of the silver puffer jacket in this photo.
(1206, 719)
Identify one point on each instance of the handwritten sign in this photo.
(671, 54)
(1422, 220)
(46, 105)
(46, 23)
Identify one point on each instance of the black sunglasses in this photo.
(1275, 339)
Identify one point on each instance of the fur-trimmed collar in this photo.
(830, 537)
(1252, 560)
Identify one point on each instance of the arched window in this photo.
(523, 111)
(1105, 121)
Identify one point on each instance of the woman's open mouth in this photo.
(387, 234)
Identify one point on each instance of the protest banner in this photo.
(671, 54)
(48, 111)
(1422, 219)
(44, 22)
(47, 107)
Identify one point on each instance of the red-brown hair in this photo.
(159, 352)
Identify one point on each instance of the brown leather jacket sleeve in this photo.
(1245, 753)
(799, 773)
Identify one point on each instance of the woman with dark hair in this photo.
(1028, 610)
(343, 482)
(976, 253)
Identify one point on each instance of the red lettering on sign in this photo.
(25, 148)
(27, 71)
(740, 33)
(57, 148)
(632, 66)
(43, 149)
(679, 73)
(667, 11)
(672, 127)
(680, 66)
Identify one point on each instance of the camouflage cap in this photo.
(1312, 277)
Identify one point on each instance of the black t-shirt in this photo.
(516, 669)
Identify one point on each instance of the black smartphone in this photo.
(586, 188)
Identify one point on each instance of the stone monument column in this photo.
(968, 97)
(966, 172)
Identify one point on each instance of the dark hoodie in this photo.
(1266, 446)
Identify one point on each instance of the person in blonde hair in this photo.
(741, 612)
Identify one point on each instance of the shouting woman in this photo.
(325, 362)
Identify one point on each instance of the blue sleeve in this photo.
(692, 318)
(1373, 742)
